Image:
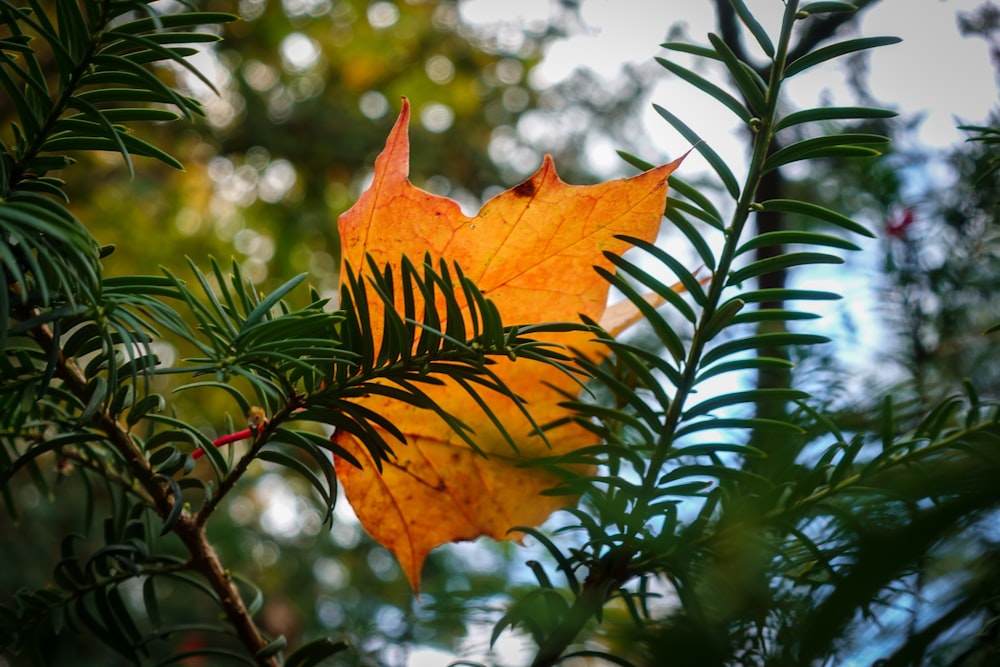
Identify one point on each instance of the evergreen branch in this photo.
(203, 557)
(50, 599)
(759, 155)
(763, 98)
(869, 476)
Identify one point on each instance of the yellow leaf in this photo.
(531, 250)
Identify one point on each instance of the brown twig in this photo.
(190, 531)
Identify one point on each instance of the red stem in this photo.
(245, 434)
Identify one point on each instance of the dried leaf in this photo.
(531, 250)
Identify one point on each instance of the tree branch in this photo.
(204, 559)
(608, 575)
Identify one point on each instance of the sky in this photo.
(934, 70)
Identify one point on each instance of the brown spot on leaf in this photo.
(525, 189)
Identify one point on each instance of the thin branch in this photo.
(191, 532)
(261, 437)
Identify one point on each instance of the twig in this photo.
(191, 532)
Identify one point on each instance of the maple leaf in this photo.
(531, 250)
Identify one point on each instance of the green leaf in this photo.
(133, 145)
(73, 27)
(619, 388)
(717, 471)
(315, 652)
(939, 418)
(161, 38)
(116, 69)
(45, 185)
(25, 113)
(713, 158)
(827, 7)
(740, 397)
(652, 359)
(676, 212)
(699, 199)
(815, 211)
(264, 307)
(41, 164)
(692, 49)
(151, 603)
(667, 336)
(98, 394)
(888, 430)
(124, 96)
(17, 43)
(826, 53)
(833, 145)
(44, 27)
(832, 113)
(736, 365)
(708, 88)
(303, 470)
(126, 115)
(683, 274)
(176, 55)
(697, 238)
(755, 28)
(257, 601)
(725, 424)
(177, 504)
(55, 315)
(773, 315)
(272, 649)
(167, 460)
(98, 125)
(637, 162)
(721, 318)
(149, 403)
(780, 263)
(179, 20)
(652, 283)
(743, 74)
(765, 340)
(799, 237)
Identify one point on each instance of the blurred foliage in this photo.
(307, 93)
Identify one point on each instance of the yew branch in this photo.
(203, 557)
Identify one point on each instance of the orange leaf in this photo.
(532, 251)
